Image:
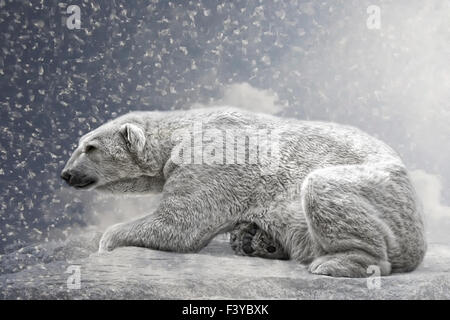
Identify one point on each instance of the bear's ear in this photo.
(134, 136)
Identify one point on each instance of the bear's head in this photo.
(115, 157)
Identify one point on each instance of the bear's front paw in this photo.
(247, 239)
(112, 238)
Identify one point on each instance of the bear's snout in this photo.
(77, 179)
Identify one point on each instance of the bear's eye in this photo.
(90, 148)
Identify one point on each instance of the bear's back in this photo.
(344, 138)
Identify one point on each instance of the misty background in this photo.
(306, 59)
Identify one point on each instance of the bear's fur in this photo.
(324, 194)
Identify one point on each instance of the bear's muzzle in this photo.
(77, 179)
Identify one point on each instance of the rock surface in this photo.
(41, 272)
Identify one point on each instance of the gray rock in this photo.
(138, 273)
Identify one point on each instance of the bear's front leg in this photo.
(193, 210)
(148, 232)
(177, 225)
(186, 220)
(154, 232)
(116, 236)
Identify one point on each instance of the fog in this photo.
(310, 60)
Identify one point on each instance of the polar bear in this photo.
(326, 195)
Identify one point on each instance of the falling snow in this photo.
(308, 59)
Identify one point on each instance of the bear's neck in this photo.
(167, 134)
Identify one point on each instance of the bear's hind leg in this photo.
(344, 208)
(348, 264)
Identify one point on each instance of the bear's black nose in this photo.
(65, 175)
(77, 179)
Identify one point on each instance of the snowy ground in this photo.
(311, 60)
(41, 272)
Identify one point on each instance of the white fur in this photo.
(338, 198)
